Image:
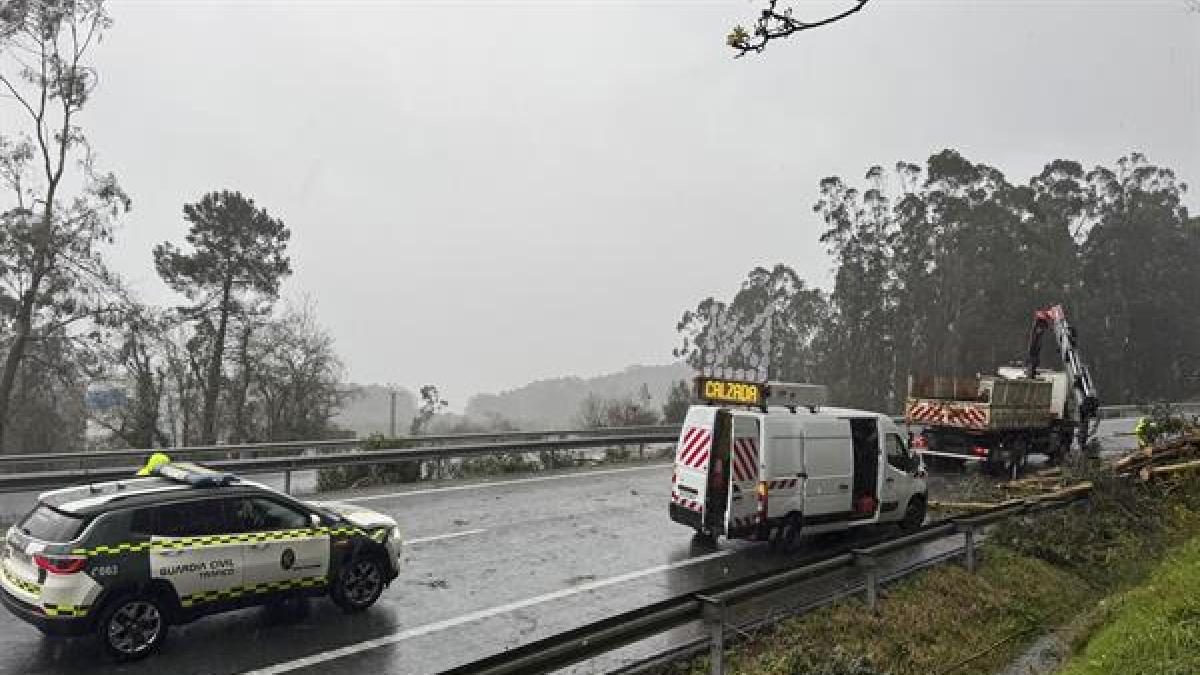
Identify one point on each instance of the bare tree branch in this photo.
(774, 23)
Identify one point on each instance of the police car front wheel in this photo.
(359, 584)
(132, 627)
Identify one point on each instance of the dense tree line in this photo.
(228, 365)
(938, 269)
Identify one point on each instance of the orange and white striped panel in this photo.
(745, 459)
(693, 449)
(948, 415)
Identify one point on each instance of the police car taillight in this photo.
(59, 564)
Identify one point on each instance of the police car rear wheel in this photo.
(359, 584)
(132, 627)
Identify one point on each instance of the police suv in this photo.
(126, 559)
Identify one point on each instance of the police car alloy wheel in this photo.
(132, 627)
(359, 584)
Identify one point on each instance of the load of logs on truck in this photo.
(1001, 419)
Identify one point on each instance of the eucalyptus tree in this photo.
(768, 327)
(59, 207)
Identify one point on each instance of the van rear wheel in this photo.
(914, 514)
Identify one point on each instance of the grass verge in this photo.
(941, 620)
(1153, 627)
(1040, 573)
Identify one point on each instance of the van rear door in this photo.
(745, 461)
(692, 453)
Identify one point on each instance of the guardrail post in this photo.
(869, 564)
(714, 617)
(968, 531)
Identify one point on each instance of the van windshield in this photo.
(46, 524)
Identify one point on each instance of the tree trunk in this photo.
(16, 351)
(240, 434)
(212, 387)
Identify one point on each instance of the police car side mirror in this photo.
(314, 519)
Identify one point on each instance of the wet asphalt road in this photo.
(489, 565)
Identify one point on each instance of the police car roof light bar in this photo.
(194, 474)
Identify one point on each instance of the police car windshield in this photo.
(46, 524)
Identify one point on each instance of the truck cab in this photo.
(770, 472)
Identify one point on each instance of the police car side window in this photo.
(182, 519)
(254, 514)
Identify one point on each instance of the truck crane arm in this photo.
(1084, 394)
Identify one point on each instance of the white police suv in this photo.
(127, 559)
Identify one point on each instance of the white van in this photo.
(758, 470)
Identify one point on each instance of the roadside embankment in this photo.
(1151, 628)
(1042, 574)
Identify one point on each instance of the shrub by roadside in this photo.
(362, 475)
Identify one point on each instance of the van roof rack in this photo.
(194, 474)
(792, 395)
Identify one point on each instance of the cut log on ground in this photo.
(1062, 493)
(970, 506)
(1150, 472)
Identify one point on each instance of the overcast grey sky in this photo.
(486, 193)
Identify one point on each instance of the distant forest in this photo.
(938, 270)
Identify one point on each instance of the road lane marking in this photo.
(518, 481)
(440, 537)
(375, 643)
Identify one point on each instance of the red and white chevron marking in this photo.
(948, 415)
(745, 459)
(693, 449)
(688, 504)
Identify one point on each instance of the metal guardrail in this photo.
(710, 605)
(83, 458)
(336, 444)
(40, 480)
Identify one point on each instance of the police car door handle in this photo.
(843, 487)
(801, 474)
(260, 545)
(889, 480)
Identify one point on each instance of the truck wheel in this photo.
(914, 514)
(358, 584)
(132, 626)
(1015, 466)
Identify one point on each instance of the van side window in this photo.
(897, 454)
